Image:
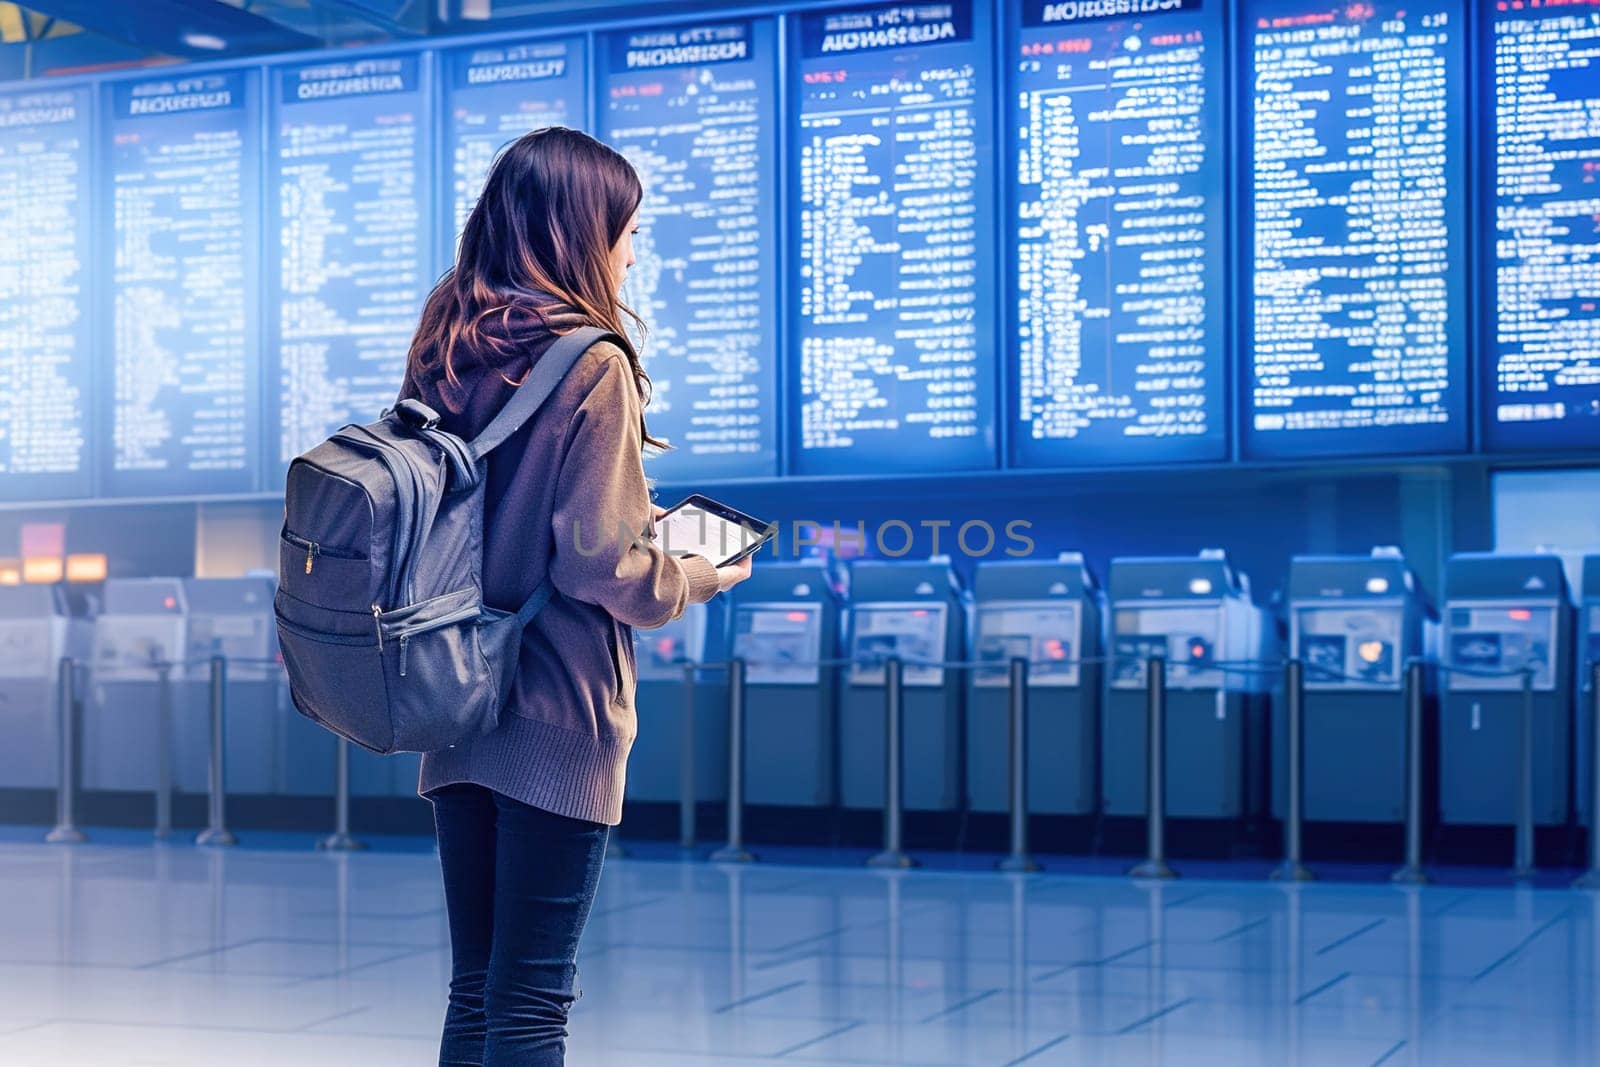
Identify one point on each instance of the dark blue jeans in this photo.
(518, 883)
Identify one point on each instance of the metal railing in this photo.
(734, 851)
(1293, 868)
(70, 716)
(1416, 706)
(1155, 857)
(893, 856)
(69, 741)
(216, 831)
(1018, 860)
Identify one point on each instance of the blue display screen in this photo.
(895, 294)
(877, 238)
(1356, 260)
(495, 93)
(694, 108)
(45, 325)
(183, 395)
(1119, 228)
(1541, 262)
(349, 141)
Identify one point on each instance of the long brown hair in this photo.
(554, 205)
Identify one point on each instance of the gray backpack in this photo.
(380, 612)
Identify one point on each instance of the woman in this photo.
(523, 813)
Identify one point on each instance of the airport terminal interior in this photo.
(1178, 425)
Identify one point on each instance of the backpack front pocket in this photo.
(338, 679)
(330, 575)
(440, 685)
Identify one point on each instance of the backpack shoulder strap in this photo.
(535, 603)
(548, 370)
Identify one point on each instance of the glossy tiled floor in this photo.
(137, 955)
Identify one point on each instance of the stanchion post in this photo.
(687, 790)
(1412, 873)
(164, 733)
(66, 830)
(216, 831)
(1155, 861)
(1590, 879)
(1293, 868)
(341, 840)
(1523, 861)
(734, 851)
(1019, 860)
(893, 855)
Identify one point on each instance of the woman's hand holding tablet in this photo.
(700, 526)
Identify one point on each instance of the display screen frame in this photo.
(985, 455)
(1455, 437)
(871, 672)
(24, 488)
(767, 37)
(1520, 439)
(1549, 676)
(1393, 679)
(430, 200)
(1069, 611)
(1215, 448)
(759, 672)
(260, 428)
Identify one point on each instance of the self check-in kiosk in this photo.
(37, 630)
(665, 685)
(232, 617)
(783, 621)
(1583, 713)
(144, 623)
(1355, 622)
(1049, 613)
(1195, 613)
(1504, 615)
(914, 610)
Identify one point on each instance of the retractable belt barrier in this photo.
(69, 713)
(69, 717)
(1293, 868)
(73, 680)
(1416, 691)
(1155, 853)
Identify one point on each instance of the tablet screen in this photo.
(692, 531)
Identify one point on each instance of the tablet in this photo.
(700, 526)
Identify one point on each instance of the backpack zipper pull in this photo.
(311, 552)
(377, 624)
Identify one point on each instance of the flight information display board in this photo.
(45, 344)
(694, 109)
(495, 93)
(349, 142)
(185, 388)
(1118, 216)
(1542, 270)
(895, 294)
(1357, 206)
